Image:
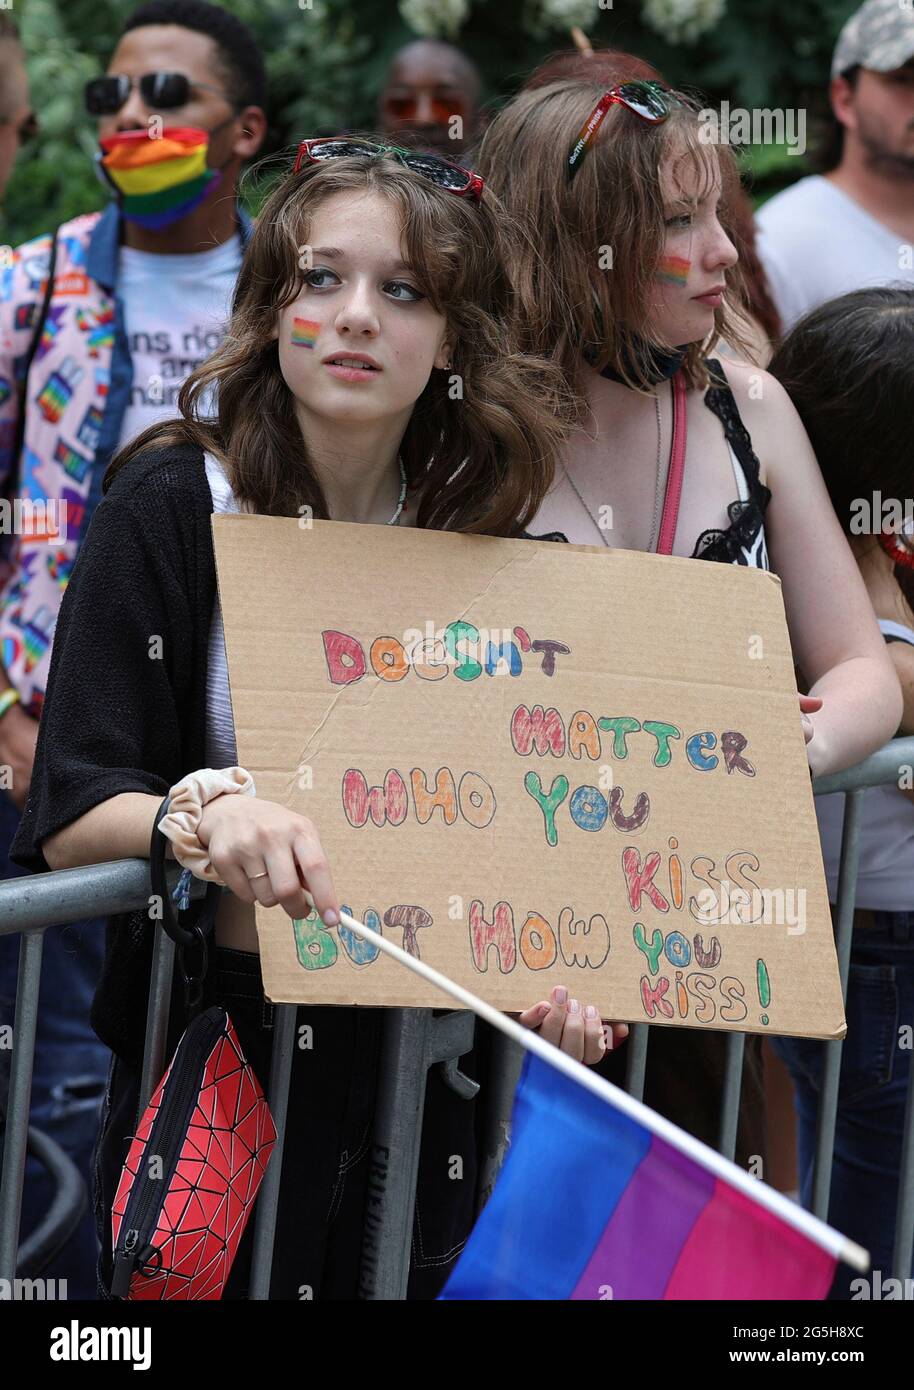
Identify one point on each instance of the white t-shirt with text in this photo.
(176, 310)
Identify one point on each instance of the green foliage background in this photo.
(326, 64)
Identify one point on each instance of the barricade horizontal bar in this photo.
(878, 769)
(36, 901)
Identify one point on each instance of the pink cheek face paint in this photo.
(304, 333)
(673, 270)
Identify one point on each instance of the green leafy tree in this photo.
(326, 61)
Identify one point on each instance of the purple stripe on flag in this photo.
(643, 1238)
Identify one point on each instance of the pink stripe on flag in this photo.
(739, 1249)
(644, 1236)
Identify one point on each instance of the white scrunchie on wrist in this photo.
(188, 797)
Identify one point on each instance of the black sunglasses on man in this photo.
(161, 91)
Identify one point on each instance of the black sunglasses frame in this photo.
(161, 91)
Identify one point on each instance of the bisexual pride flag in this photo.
(594, 1203)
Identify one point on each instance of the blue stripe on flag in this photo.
(572, 1156)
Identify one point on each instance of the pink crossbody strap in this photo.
(677, 469)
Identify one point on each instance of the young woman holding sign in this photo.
(370, 276)
(627, 278)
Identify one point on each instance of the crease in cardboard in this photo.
(511, 561)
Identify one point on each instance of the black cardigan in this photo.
(115, 718)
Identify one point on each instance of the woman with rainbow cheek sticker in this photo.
(627, 209)
(357, 348)
(625, 213)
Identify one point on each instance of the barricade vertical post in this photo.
(25, 1026)
(733, 1085)
(636, 1061)
(506, 1060)
(412, 1041)
(395, 1155)
(267, 1205)
(831, 1061)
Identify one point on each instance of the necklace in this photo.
(658, 488)
(401, 500)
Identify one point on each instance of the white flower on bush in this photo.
(543, 16)
(435, 18)
(683, 21)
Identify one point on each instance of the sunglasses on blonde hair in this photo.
(649, 100)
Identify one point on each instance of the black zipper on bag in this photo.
(166, 1138)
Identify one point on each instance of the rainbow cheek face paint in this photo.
(304, 333)
(673, 270)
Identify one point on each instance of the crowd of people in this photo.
(171, 357)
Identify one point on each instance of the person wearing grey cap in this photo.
(852, 226)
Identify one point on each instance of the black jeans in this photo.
(327, 1146)
(872, 1094)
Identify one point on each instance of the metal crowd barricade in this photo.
(414, 1040)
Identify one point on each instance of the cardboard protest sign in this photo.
(533, 763)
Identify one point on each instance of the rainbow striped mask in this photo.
(158, 181)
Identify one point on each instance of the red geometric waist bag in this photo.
(200, 1151)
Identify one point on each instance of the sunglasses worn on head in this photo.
(161, 91)
(649, 100)
(431, 166)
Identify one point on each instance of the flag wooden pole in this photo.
(803, 1221)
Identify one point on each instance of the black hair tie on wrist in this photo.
(196, 922)
(186, 926)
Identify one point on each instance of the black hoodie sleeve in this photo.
(110, 722)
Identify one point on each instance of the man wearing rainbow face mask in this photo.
(99, 326)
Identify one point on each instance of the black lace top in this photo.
(743, 541)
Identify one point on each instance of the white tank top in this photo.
(221, 750)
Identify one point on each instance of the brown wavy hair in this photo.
(483, 462)
(567, 306)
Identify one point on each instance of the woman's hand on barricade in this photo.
(267, 854)
(576, 1028)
